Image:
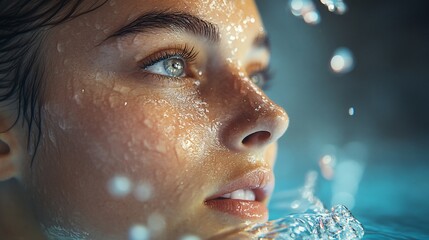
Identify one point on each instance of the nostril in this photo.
(256, 138)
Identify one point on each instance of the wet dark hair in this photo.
(23, 25)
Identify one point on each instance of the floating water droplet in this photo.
(327, 164)
(311, 17)
(143, 192)
(342, 60)
(306, 10)
(351, 111)
(138, 232)
(119, 186)
(337, 6)
(156, 222)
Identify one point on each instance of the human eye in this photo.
(171, 63)
(261, 78)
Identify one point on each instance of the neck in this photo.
(17, 220)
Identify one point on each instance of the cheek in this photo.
(89, 143)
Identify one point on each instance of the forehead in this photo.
(227, 14)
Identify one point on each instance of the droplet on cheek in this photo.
(119, 186)
(138, 232)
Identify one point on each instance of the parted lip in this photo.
(260, 180)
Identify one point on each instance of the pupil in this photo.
(174, 67)
(257, 79)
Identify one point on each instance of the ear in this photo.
(11, 152)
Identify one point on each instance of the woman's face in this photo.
(153, 120)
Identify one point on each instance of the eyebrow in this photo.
(175, 21)
(262, 41)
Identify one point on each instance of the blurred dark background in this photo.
(387, 137)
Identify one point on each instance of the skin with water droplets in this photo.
(180, 137)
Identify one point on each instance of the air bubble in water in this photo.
(342, 60)
(119, 186)
(351, 111)
(138, 232)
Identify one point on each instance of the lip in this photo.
(260, 181)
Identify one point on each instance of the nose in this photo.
(255, 121)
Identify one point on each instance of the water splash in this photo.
(315, 222)
(339, 223)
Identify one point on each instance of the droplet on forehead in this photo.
(138, 232)
(119, 186)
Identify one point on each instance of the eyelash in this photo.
(267, 76)
(189, 55)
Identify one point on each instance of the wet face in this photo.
(154, 119)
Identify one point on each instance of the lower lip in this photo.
(244, 209)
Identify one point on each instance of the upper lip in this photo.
(260, 180)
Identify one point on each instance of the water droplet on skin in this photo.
(52, 136)
(138, 232)
(161, 148)
(62, 124)
(342, 60)
(125, 103)
(98, 76)
(148, 123)
(119, 186)
(60, 47)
